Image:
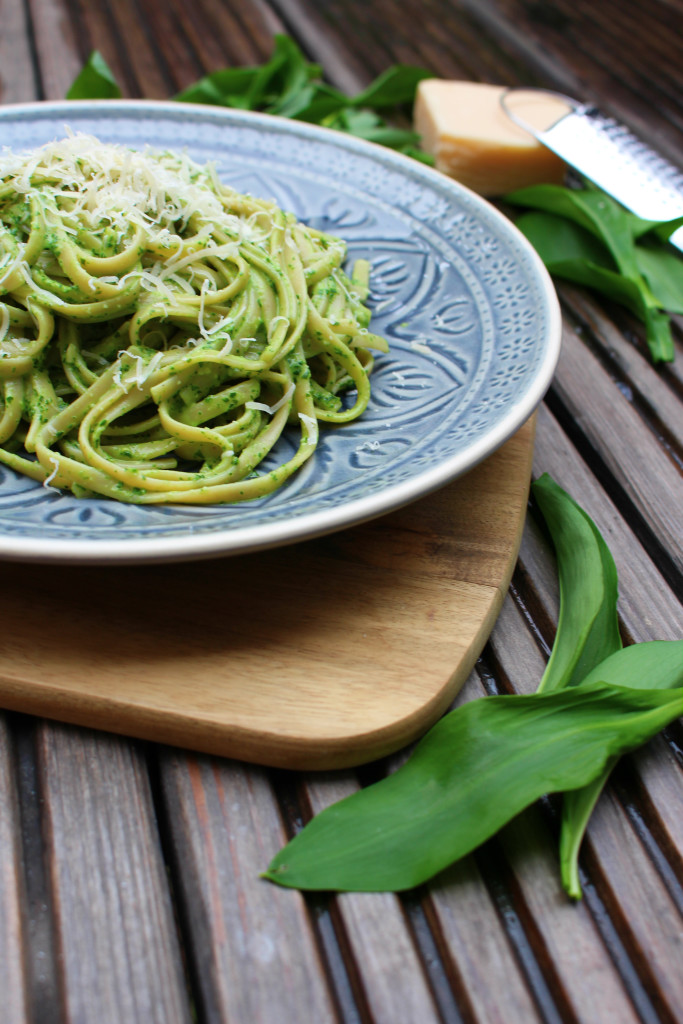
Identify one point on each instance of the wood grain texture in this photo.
(477, 948)
(252, 949)
(118, 949)
(51, 20)
(648, 607)
(648, 916)
(12, 978)
(18, 75)
(470, 913)
(647, 473)
(649, 388)
(316, 655)
(579, 970)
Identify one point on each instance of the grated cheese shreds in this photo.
(115, 186)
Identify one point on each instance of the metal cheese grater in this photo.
(611, 156)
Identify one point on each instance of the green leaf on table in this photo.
(588, 627)
(657, 664)
(585, 236)
(95, 81)
(659, 229)
(587, 634)
(662, 268)
(281, 83)
(609, 283)
(288, 85)
(419, 154)
(365, 124)
(325, 103)
(228, 87)
(592, 210)
(355, 121)
(394, 87)
(612, 224)
(574, 254)
(557, 239)
(475, 769)
(588, 646)
(393, 138)
(659, 337)
(295, 102)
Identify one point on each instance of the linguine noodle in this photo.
(158, 330)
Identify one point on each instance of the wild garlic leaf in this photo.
(612, 224)
(228, 87)
(615, 267)
(326, 102)
(288, 85)
(95, 81)
(557, 239)
(587, 633)
(588, 612)
(588, 627)
(663, 271)
(418, 154)
(357, 121)
(612, 285)
(659, 337)
(283, 82)
(656, 229)
(474, 770)
(572, 253)
(593, 210)
(656, 664)
(294, 103)
(392, 88)
(609, 283)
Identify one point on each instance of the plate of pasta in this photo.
(222, 331)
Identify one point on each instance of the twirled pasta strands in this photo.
(159, 331)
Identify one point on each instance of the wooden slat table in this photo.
(129, 889)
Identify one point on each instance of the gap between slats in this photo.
(40, 953)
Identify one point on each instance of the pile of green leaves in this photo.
(489, 759)
(585, 236)
(290, 86)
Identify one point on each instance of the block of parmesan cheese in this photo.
(465, 128)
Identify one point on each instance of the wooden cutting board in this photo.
(321, 655)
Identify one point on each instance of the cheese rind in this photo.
(463, 125)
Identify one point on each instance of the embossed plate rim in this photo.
(193, 543)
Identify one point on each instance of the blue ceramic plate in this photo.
(467, 307)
